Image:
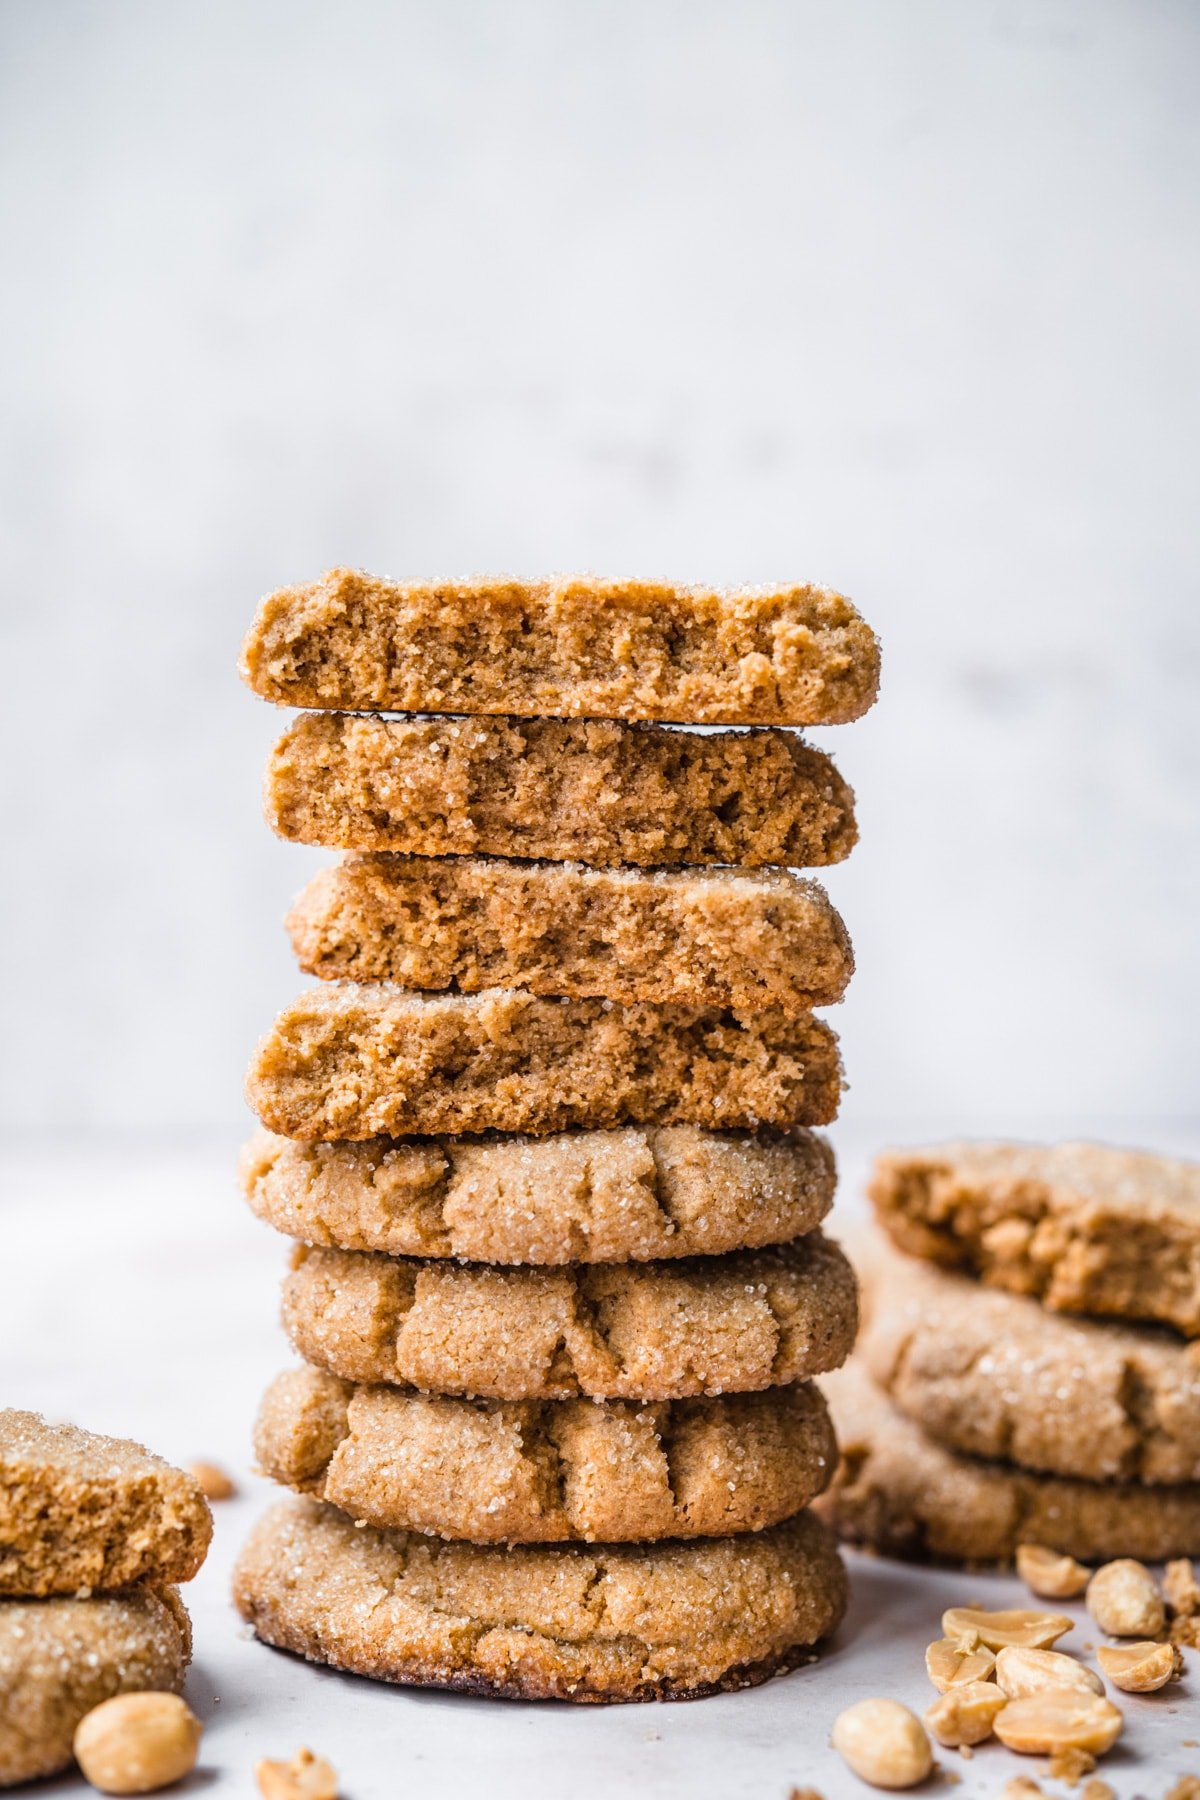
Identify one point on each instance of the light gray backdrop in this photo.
(899, 296)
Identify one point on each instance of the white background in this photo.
(901, 297)
(895, 294)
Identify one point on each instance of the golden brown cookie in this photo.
(635, 1622)
(692, 937)
(580, 1196)
(60, 1657)
(995, 1374)
(595, 793)
(571, 647)
(546, 1471)
(1083, 1227)
(80, 1512)
(639, 1331)
(899, 1492)
(352, 1062)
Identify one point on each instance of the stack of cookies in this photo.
(542, 1134)
(1029, 1369)
(94, 1534)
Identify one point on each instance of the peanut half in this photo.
(1059, 1719)
(1142, 1667)
(1020, 1672)
(883, 1743)
(999, 1630)
(965, 1714)
(954, 1660)
(1124, 1600)
(305, 1777)
(137, 1743)
(1050, 1574)
(214, 1483)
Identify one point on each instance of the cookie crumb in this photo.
(1098, 1790)
(1181, 1589)
(1071, 1765)
(1186, 1788)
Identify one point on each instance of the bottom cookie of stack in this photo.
(671, 1620)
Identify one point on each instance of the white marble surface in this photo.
(137, 1295)
(897, 296)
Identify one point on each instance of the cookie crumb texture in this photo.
(546, 1471)
(81, 1511)
(649, 1331)
(588, 1196)
(715, 937)
(344, 1061)
(638, 1623)
(61, 1657)
(575, 647)
(1081, 1227)
(994, 1374)
(898, 1492)
(596, 793)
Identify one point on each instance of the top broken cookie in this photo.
(570, 648)
(81, 1512)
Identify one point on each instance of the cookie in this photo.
(1083, 1227)
(61, 1657)
(545, 1471)
(638, 1622)
(344, 1061)
(598, 793)
(82, 1512)
(573, 647)
(695, 937)
(638, 1331)
(899, 1492)
(995, 1374)
(584, 1196)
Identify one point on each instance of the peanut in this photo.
(1019, 1787)
(1181, 1588)
(1124, 1600)
(1142, 1667)
(965, 1714)
(137, 1743)
(1098, 1790)
(883, 1743)
(1020, 1672)
(305, 1777)
(953, 1660)
(1049, 1574)
(1059, 1719)
(998, 1630)
(213, 1482)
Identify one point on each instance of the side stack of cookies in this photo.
(95, 1533)
(1029, 1371)
(542, 1134)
